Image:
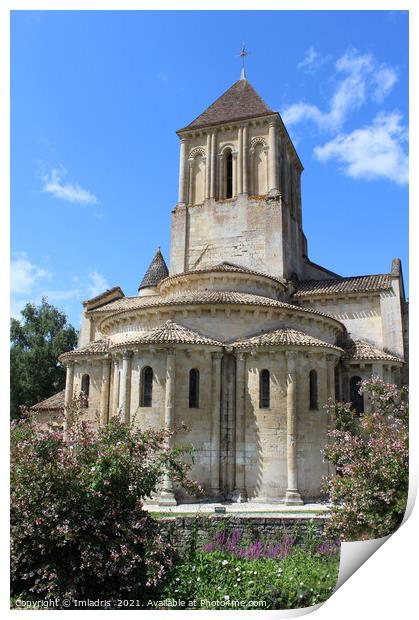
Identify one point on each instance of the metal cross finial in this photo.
(243, 55)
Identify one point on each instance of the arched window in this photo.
(313, 390)
(229, 174)
(357, 399)
(85, 388)
(264, 389)
(146, 387)
(194, 388)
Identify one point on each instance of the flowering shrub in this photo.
(255, 550)
(370, 454)
(78, 529)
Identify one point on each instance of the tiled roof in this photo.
(156, 272)
(96, 347)
(169, 333)
(334, 286)
(223, 267)
(53, 403)
(362, 350)
(282, 337)
(240, 101)
(200, 298)
(109, 291)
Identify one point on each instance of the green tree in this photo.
(37, 340)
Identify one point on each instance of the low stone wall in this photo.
(189, 533)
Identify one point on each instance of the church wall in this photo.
(198, 420)
(243, 231)
(227, 323)
(360, 315)
(311, 426)
(266, 459)
(148, 417)
(266, 453)
(392, 325)
(92, 368)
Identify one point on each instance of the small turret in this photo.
(156, 272)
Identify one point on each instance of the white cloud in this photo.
(72, 192)
(372, 152)
(359, 78)
(310, 60)
(385, 79)
(24, 275)
(29, 285)
(96, 284)
(164, 77)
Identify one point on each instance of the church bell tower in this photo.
(239, 189)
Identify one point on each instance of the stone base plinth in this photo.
(167, 499)
(239, 496)
(293, 498)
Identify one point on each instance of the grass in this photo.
(220, 580)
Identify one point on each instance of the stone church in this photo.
(242, 337)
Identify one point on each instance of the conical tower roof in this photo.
(156, 271)
(240, 101)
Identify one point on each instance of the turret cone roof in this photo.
(156, 272)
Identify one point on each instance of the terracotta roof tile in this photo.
(169, 333)
(200, 298)
(240, 101)
(156, 272)
(283, 337)
(53, 403)
(109, 291)
(362, 350)
(96, 347)
(334, 286)
(224, 267)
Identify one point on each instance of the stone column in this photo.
(167, 497)
(292, 495)
(330, 362)
(245, 162)
(213, 165)
(115, 392)
(221, 176)
(68, 397)
(377, 370)
(125, 387)
(182, 170)
(240, 162)
(215, 423)
(190, 191)
(235, 173)
(208, 167)
(273, 183)
(104, 391)
(239, 493)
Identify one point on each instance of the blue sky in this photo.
(96, 98)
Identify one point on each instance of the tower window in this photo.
(194, 389)
(85, 388)
(357, 399)
(229, 175)
(313, 390)
(264, 390)
(146, 391)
